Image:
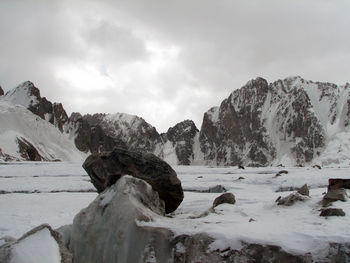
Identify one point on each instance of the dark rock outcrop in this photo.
(182, 137)
(226, 198)
(106, 168)
(91, 137)
(28, 151)
(1, 91)
(337, 183)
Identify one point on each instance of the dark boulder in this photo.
(304, 190)
(106, 168)
(1, 91)
(332, 212)
(226, 198)
(336, 183)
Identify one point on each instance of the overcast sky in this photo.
(167, 60)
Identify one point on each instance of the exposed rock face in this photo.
(106, 168)
(132, 131)
(1, 91)
(254, 125)
(182, 138)
(28, 151)
(91, 137)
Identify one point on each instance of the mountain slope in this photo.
(25, 136)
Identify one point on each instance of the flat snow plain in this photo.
(35, 193)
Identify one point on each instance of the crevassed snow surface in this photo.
(40, 247)
(297, 229)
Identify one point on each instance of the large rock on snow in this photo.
(41, 244)
(336, 183)
(1, 91)
(106, 168)
(107, 230)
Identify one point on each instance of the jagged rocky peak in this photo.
(182, 139)
(27, 95)
(1, 91)
(131, 130)
(233, 133)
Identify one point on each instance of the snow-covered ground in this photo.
(55, 192)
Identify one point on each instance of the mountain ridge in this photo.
(291, 122)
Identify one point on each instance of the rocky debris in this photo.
(336, 183)
(28, 151)
(290, 199)
(41, 241)
(1, 91)
(99, 233)
(332, 212)
(226, 198)
(106, 168)
(281, 172)
(316, 166)
(304, 190)
(240, 178)
(196, 249)
(182, 138)
(217, 189)
(241, 167)
(334, 195)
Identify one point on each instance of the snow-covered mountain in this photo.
(36, 137)
(289, 122)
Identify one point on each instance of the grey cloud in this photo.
(221, 44)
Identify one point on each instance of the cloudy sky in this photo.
(167, 60)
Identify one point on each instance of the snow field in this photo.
(255, 218)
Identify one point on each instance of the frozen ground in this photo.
(54, 192)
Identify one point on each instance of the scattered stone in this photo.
(106, 168)
(226, 198)
(336, 183)
(1, 91)
(334, 195)
(251, 220)
(217, 189)
(241, 178)
(200, 177)
(332, 212)
(280, 165)
(241, 167)
(290, 199)
(316, 166)
(304, 190)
